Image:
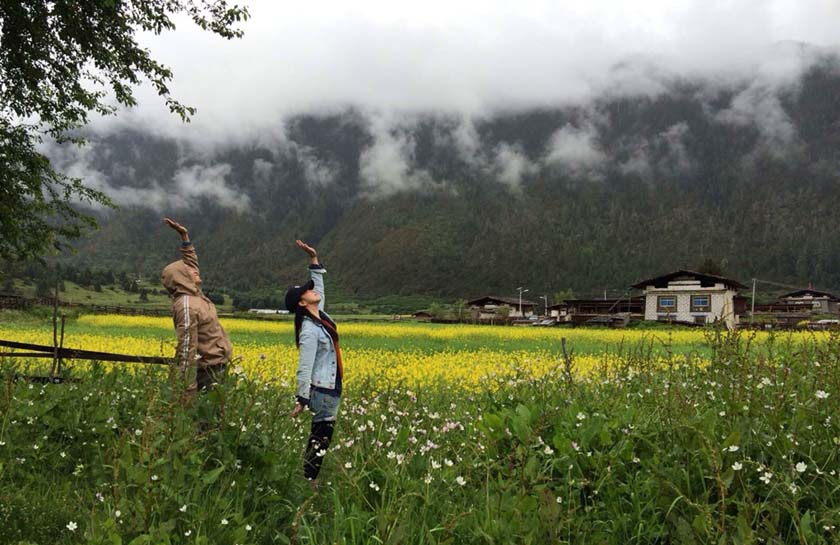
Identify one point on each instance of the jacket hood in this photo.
(177, 279)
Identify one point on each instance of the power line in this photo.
(786, 286)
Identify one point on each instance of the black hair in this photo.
(302, 312)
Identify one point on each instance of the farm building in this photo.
(559, 311)
(485, 307)
(581, 311)
(267, 311)
(423, 315)
(814, 300)
(688, 296)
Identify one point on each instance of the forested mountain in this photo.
(745, 174)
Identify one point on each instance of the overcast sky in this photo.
(468, 57)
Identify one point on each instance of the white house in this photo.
(267, 311)
(485, 307)
(688, 296)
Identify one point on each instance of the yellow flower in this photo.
(269, 353)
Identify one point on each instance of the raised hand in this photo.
(307, 248)
(177, 227)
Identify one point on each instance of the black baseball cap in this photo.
(295, 292)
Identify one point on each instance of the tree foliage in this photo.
(61, 62)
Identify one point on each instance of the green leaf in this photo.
(521, 429)
(733, 438)
(805, 527)
(212, 476)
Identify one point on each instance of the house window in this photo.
(699, 319)
(666, 303)
(701, 303)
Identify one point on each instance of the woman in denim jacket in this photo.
(320, 372)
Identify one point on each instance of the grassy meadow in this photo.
(447, 434)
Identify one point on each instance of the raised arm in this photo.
(316, 270)
(188, 254)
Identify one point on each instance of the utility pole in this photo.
(545, 298)
(521, 291)
(752, 310)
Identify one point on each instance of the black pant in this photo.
(319, 441)
(207, 377)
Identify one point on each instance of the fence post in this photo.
(55, 331)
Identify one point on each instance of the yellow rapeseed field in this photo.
(267, 352)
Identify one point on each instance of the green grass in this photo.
(742, 450)
(112, 295)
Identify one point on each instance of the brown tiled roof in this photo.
(662, 281)
(494, 299)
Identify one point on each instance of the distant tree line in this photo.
(46, 277)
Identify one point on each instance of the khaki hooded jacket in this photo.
(201, 338)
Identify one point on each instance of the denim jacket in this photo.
(317, 361)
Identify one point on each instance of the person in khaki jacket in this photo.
(204, 349)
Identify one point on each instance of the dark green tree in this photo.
(217, 298)
(710, 266)
(61, 61)
(8, 287)
(43, 288)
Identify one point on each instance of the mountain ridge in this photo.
(584, 198)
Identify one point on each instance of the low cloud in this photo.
(760, 103)
(470, 61)
(676, 153)
(467, 141)
(664, 154)
(262, 171)
(575, 149)
(187, 188)
(512, 166)
(317, 170)
(386, 166)
(208, 182)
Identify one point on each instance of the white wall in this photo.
(722, 302)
